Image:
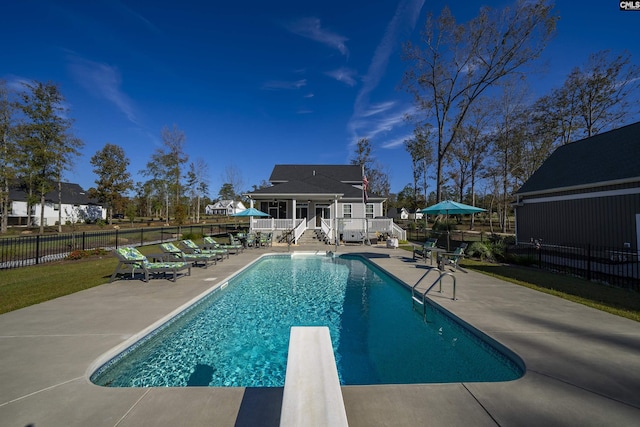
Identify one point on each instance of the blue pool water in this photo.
(239, 335)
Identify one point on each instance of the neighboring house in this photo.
(327, 198)
(224, 207)
(398, 213)
(76, 206)
(416, 215)
(586, 192)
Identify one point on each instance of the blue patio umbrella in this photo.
(447, 207)
(251, 212)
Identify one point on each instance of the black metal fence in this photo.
(618, 267)
(30, 250)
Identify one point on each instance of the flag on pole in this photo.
(365, 184)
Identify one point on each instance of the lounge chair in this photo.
(425, 251)
(131, 261)
(452, 258)
(173, 253)
(233, 248)
(189, 247)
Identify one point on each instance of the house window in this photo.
(369, 210)
(346, 210)
(56, 207)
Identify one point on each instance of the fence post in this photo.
(117, 240)
(38, 249)
(540, 257)
(83, 235)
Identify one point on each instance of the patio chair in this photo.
(173, 253)
(266, 239)
(452, 258)
(232, 248)
(131, 261)
(251, 240)
(190, 247)
(424, 251)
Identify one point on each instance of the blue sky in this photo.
(255, 83)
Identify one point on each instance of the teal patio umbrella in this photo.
(447, 207)
(251, 212)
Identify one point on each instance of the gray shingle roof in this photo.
(311, 185)
(343, 173)
(609, 156)
(72, 194)
(315, 180)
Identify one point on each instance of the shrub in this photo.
(191, 236)
(480, 250)
(450, 225)
(78, 254)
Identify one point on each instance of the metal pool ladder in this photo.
(418, 297)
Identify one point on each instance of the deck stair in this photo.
(313, 237)
(419, 294)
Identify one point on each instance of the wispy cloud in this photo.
(284, 85)
(397, 141)
(399, 28)
(311, 28)
(103, 81)
(344, 75)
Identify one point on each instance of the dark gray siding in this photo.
(601, 221)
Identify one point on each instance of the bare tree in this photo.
(508, 141)
(165, 169)
(232, 182)
(198, 184)
(8, 160)
(455, 63)
(603, 88)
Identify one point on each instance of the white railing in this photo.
(327, 229)
(271, 224)
(300, 228)
(377, 225)
(399, 232)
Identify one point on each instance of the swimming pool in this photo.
(238, 336)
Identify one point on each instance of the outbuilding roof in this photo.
(608, 157)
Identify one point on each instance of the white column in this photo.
(293, 211)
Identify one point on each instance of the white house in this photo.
(224, 207)
(328, 199)
(76, 206)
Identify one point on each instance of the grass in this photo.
(620, 302)
(26, 286)
(22, 287)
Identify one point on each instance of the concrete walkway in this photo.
(583, 365)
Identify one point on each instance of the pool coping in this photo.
(582, 364)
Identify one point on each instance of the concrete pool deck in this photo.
(582, 365)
